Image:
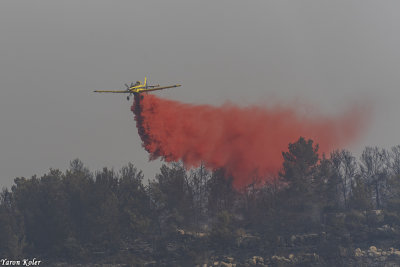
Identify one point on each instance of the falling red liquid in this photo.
(247, 142)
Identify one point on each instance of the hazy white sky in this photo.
(53, 54)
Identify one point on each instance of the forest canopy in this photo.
(187, 216)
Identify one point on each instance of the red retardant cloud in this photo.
(246, 141)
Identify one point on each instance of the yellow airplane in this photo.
(138, 88)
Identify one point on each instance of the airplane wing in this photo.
(152, 86)
(110, 91)
(160, 88)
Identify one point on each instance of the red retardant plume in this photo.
(246, 141)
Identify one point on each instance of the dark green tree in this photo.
(374, 171)
(12, 231)
(301, 210)
(134, 203)
(223, 232)
(43, 205)
(221, 194)
(345, 169)
(198, 181)
(361, 198)
(171, 198)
